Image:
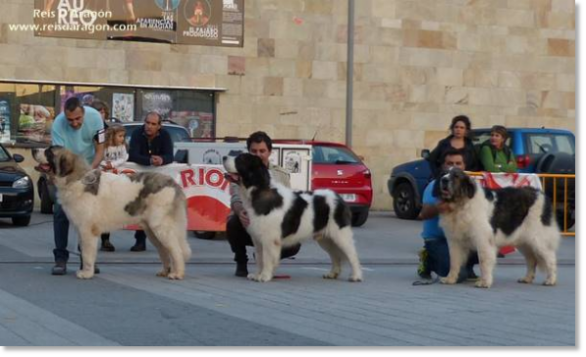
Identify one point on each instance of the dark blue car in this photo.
(538, 150)
(16, 189)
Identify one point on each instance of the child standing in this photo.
(115, 154)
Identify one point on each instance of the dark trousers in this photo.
(140, 237)
(239, 238)
(439, 258)
(60, 234)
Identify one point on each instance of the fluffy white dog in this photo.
(97, 202)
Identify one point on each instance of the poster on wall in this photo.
(156, 101)
(199, 124)
(86, 98)
(194, 22)
(82, 19)
(297, 161)
(4, 120)
(123, 106)
(154, 20)
(34, 123)
(211, 22)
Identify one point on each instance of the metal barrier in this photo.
(563, 208)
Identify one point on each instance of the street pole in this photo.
(350, 73)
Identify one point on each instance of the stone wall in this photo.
(418, 63)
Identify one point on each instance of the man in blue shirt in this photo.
(436, 255)
(81, 130)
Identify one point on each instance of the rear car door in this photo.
(337, 168)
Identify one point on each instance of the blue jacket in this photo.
(141, 149)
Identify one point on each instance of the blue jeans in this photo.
(439, 258)
(60, 233)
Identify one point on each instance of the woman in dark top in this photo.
(458, 140)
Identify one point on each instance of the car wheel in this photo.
(404, 201)
(204, 235)
(21, 221)
(46, 202)
(359, 218)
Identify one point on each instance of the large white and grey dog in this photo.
(281, 217)
(97, 202)
(484, 220)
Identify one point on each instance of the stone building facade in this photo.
(418, 63)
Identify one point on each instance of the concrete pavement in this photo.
(127, 305)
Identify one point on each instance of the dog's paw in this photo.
(330, 275)
(264, 278)
(82, 274)
(355, 279)
(482, 284)
(549, 282)
(175, 276)
(164, 273)
(447, 280)
(253, 277)
(525, 280)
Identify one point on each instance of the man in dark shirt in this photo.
(151, 145)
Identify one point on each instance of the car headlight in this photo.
(24, 182)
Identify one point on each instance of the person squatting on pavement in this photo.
(435, 256)
(261, 145)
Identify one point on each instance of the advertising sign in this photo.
(4, 120)
(194, 22)
(34, 123)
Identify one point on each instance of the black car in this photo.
(16, 189)
(47, 192)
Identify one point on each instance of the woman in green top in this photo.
(495, 155)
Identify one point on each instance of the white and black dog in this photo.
(97, 202)
(281, 217)
(484, 220)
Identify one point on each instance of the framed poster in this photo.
(296, 159)
(156, 101)
(4, 120)
(123, 106)
(34, 123)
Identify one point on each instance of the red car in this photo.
(336, 167)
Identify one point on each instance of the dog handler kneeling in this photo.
(258, 144)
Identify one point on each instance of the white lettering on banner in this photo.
(196, 180)
(73, 12)
(204, 32)
(203, 176)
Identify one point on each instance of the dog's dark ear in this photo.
(65, 165)
(469, 186)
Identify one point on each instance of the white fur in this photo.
(467, 227)
(265, 231)
(164, 219)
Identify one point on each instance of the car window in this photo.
(333, 155)
(480, 137)
(3, 155)
(545, 143)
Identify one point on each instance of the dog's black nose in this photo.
(224, 158)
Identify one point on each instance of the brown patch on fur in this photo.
(152, 183)
(96, 231)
